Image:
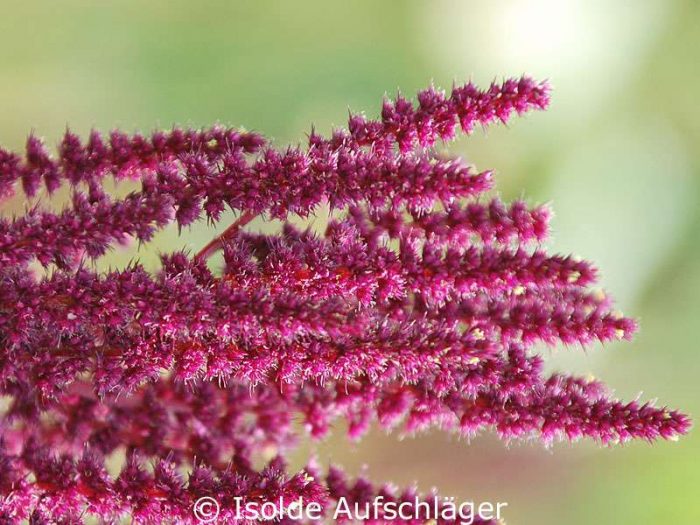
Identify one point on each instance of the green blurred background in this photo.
(617, 155)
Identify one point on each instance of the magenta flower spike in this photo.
(422, 305)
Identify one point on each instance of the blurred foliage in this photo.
(617, 154)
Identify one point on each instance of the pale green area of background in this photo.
(617, 155)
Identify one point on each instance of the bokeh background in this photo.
(617, 155)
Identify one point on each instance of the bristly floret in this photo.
(420, 306)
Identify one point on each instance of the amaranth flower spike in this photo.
(420, 306)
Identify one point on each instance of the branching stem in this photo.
(217, 242)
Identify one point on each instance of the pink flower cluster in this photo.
(422, 305)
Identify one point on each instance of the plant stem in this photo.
(217, 242)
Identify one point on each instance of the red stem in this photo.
(217, 242)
